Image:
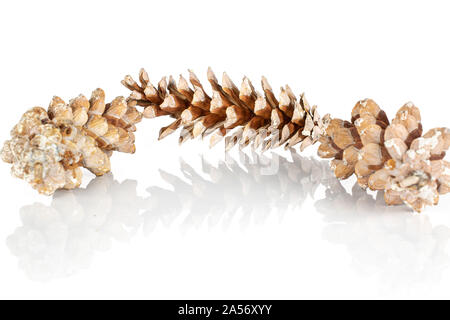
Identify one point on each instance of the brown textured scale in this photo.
(242, 116)
(390, 156)
(48, 147)
(356, 146)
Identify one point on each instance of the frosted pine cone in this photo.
(415, 175)
(392, 157)
(48, 148)
(261, 120)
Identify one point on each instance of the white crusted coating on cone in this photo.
(416, 179)
(393, 157)
(48, 149)
(36, 151)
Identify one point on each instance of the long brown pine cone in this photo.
(243, 116)
(48, 147)
(394, 157)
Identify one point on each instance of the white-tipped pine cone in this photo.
(394, 157)
(48, 148)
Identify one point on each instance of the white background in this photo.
(225, 233)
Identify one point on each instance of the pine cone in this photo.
(392, 157)
(48, 148)
(257, 119)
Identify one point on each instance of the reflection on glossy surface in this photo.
(402, 249)
(62, 238)
(252, 188)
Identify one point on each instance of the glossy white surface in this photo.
(188, 222)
